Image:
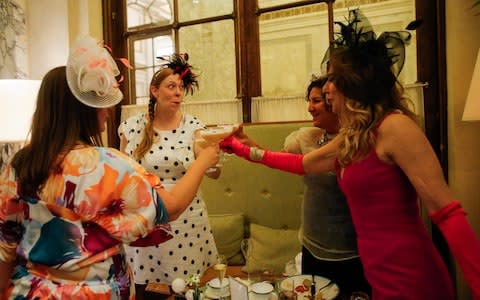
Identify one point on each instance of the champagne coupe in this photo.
(213, 135)
(246, 247)
(220, 267)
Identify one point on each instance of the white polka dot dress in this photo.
(192, 250)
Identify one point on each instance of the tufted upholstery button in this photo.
(228, 192)
(265, 193)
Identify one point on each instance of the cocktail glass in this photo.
(213, 135)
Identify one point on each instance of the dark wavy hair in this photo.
(315, 82)
(59, 123)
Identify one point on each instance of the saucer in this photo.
(269, 296)
(262, 288)
(214, 293)
(215, 283)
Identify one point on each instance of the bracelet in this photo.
(256, 154)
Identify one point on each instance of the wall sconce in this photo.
(472, 105)
(17, 106)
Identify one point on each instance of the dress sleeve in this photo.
(131, 129)
(303, 140)
(134, 210)
(195, 122)
(291, 143)
(11, 216)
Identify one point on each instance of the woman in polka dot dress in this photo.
(162, 142)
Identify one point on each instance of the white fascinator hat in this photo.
(91, 73)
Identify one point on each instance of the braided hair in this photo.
(175, 64)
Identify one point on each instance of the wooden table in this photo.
(164, 291)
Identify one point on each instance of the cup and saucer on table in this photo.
(215, 290)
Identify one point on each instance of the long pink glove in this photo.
(289, 162)
(463, 242)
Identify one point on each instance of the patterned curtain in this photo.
(13, 40)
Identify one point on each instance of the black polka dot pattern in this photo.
(192, 249)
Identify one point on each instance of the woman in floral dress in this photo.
(68, 205)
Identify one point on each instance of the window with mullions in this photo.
(148, 12)
(247, 75)
(293, 42)
(144, 54)
(155, 30)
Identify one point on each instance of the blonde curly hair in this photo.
(371, 92)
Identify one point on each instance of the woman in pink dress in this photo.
(384, 163)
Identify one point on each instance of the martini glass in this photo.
(214, 135)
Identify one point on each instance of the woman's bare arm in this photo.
(322, 159)
(402, 141)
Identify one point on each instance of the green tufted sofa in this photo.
(251, 200)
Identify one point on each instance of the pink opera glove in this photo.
(284, 161)
(232, 145)
(463, 242)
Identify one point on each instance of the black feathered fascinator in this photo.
(358, 36)
(378, 61)
(179, 64)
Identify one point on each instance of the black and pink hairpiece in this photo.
(178, 62)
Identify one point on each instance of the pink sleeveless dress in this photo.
(398, 255)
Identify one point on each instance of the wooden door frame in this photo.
(432, 69)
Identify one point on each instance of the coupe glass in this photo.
(213, 135)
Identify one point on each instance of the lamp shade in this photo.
(472, 105)
(18, 98)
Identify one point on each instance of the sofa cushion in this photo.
(260, 193)
(228, 231)
(272, 248)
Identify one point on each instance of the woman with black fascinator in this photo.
(384, 163)
(161, 140)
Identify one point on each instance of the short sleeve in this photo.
(303, 140)
(134, 209)
(132, 129)
(291, 143)
(131, 126)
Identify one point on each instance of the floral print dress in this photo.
(68, 243)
